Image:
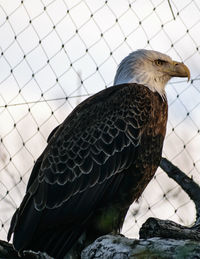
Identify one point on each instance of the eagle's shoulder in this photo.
(129, 90)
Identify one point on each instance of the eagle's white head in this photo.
(150, 68)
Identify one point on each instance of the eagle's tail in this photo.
(60, 244)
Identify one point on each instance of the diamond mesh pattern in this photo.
(55, 53)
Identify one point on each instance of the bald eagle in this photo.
(98, 161)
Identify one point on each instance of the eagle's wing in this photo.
(96, 142)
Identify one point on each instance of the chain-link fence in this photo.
(55, 53)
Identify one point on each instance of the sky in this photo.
(54, 54)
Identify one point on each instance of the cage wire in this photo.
(54, 54)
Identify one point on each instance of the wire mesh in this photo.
(55, 53)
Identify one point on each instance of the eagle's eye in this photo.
(159, 62)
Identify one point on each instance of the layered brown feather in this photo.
(97, 162)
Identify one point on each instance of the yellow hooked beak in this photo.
(178, 69)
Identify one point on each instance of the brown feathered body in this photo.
(96, 164)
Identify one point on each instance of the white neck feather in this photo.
(153, 84)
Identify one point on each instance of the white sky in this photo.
(91, 34)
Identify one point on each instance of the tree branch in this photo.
(186, 183)
(123, 248)
(7, 252)
(154, 227)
